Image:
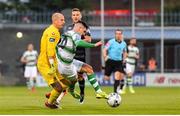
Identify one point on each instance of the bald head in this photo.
(58, 20)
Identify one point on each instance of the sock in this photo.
(129, 81)
(116, 84)
(121, 84)
(54, 95)
(28, 83)
(31, 82)
(60, 97)
(94, 82)
(71, 88)
(125, 84)
(81, 86)
(34, 82)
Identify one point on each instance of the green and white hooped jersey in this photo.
(31, 57)
(132, 52)
(66, 48)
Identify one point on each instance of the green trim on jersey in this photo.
(31, 65)
(131, 63)
(60, 58)
(131, 57)
(69, 50)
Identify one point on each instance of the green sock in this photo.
(129, 81)
(72, 92)
(94, 82)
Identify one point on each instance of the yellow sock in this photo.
(54, 95)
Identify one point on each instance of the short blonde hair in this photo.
(55, 16)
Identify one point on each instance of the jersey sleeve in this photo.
(24, 55)
(36, 53)
(51, 44)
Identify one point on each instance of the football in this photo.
(114, 100)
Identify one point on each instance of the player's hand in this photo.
(136, 56)
(52, 70)
(98, 44)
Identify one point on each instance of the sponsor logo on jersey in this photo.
(52, 40)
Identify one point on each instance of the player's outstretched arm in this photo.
(81, 43)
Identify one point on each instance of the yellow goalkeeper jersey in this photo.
(49, 40)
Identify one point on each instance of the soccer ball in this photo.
(114, 100)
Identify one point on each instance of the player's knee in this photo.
(118, 75)
(88, 69)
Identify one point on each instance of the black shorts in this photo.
(113, 66)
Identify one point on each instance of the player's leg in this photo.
(28, 83)
(70, 78)
(60, 97)
(118, 75)
(70, 84)
(31, 80)
(123, 85)
(128, 70)
(93, 81)
(117, 79)
(108, 69)
(27, 76)
(129, 78)
(33, 74)
(85, 68)
(81, 82)
(72, 91)
(57, 88)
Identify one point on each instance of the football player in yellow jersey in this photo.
(46, 60)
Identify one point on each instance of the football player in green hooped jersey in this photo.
(68, 66)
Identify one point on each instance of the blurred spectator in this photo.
(142, 68)
(152, 64)
(30, 59)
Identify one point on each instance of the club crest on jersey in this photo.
(52, 40)
(53, 33)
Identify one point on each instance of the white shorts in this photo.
(30, 71)
(69, 71)
(130, 68)
(78, 64)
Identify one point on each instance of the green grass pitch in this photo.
(146, 100)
